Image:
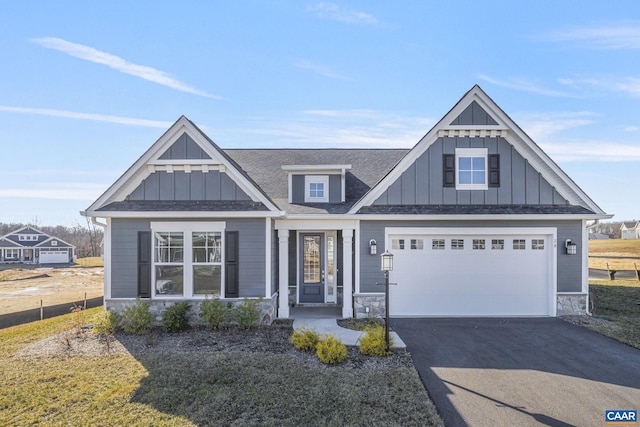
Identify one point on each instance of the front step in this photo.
(317, 304)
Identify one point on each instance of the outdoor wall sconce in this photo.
(373, 247)
(571, 247)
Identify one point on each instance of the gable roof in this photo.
(7, 241)
(457, 122)
(630, 225)
(368, 166)
(209, 154)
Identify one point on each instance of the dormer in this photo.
(316, 183)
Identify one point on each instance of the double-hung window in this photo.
(187, 258)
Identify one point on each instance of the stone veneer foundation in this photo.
(571, 304)
(268, 307)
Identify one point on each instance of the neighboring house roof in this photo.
(43, 240)
(630, 225)
(368, 166)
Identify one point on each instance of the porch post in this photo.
(347, 273)
(283, 276)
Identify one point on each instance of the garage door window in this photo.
(478, 244)
(437, 244)
(417, 244)
(457, 244)
(519, 244)
(497, 244)
(537, 244)
(397, 244)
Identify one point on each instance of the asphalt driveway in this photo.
(521, 371)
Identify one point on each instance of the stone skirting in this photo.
(268, 307)
(375, 303)
(571, 304)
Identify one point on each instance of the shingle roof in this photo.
(474, 209)
(264, 166)
(184, 205)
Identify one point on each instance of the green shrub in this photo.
(214, 313)
(247, 313)
(331, 350)
(373, 343)
(138, 318)
(174, 318)
(106, 323)
(304, 339)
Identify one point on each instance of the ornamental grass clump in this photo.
(373, 342)
(174, 318)
(304, 339)
(331, 350)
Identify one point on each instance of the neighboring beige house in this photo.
(630, 230)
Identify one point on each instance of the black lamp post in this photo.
(386, 266)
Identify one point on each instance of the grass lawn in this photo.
(614, 248)
(200, 388)
(95, 261)
(618, 301)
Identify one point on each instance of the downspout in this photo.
(589, 227)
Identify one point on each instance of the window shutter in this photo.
(231, 265)
(494, 170)
(144, 264)
(448, 170)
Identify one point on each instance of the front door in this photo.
(311, 268)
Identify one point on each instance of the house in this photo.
(481, 222)
(30, 246)
(630, 230)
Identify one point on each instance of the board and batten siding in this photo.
(422, 183)
(124, 254)
(180, 185)
(569, 268)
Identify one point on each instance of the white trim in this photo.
(290, 186)
(357, 256)
(283, 274)
(107, 259)
(525, 146)
(585, 260)
(470, 153)
(447, 217)
(328, 169)
(132, 178)
(316, 179)
(267, 257)
(182, 214)
(313, 224)
(347, 272)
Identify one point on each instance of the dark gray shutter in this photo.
(231, 265)
(448, 170)
(494, 170)
(144, 264)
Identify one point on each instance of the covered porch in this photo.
(315, 266)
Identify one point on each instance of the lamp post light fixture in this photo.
(386, 266)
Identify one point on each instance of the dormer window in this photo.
(54, 243)
(316, 188)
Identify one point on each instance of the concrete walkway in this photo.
(330, 326)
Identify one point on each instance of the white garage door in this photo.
(54, 257)
(477, 272)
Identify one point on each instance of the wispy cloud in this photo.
(544, 126)
(335, 12)
(602, 151)
(343, 129)
(523, 85)
(115, 62)
(87, 116)
(56, 191)
(615, 36)
(320, 69)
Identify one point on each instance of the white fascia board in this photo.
(446, 217)
(315, 224)
(400, 231)
(183, 214)
(138, 171)
(310, 168)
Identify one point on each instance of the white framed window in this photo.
(537, 244)
(22, 237)
(471, 168)
(397, 244)
(188, 259)
(457, 244)
(497, 244)
(54, 243)
(417, 244)
(437, 244)
(478, 244)
(519, 244)
(11, 254)
(316, 188)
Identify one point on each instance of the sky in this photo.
(87, 87)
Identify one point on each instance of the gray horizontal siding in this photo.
(180, 185)
(124, 255)
(422, 183)
(569, 270)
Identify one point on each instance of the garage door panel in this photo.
(484, 282)
(53, 257)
